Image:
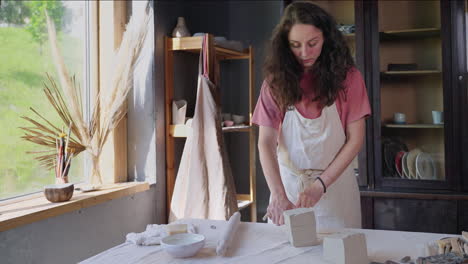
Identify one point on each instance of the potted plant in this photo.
(62, 190)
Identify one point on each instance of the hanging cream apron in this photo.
(305, 149)
(204, 186)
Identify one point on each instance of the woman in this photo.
(311, 116)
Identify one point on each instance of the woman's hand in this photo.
(267, 142)
(354, 139)
(277, 206)
(311, 195)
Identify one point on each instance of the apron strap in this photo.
(203, 68)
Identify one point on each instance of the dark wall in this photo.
(251, 22)
(235, 20)
(164, 14)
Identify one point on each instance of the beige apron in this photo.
(306, 148)
(204, 186)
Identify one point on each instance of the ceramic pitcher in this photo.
(179, 109)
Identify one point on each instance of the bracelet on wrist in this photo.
(323, 184)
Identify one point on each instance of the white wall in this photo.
(141, 134)
(75, 236)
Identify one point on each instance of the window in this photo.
(25, 58)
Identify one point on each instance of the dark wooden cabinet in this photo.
(431, 194)
(439, 216)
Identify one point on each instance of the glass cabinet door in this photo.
(411, 93)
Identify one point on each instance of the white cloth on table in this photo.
(152, 235)
(228, 234)
(264, 243)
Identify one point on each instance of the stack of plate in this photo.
(425, 167)
(404, 165)
(399, 162)
(415, 164)
(391, 147)
(411, 163)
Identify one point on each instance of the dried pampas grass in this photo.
(107, 111)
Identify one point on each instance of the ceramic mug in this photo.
(437, 117)
(399, 118)
(179, 109)
(226, 116)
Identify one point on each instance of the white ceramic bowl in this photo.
(226, 116)
(238, 119)
(183, 245)
(220, 38)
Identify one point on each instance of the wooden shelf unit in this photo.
(414, 125)
(193, 44)
(417, 92)
(415, 33)
(410, 73)
(182, 131)
(215, 52)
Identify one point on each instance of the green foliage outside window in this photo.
(31, 14)
(13, 12)
(37, 25)
(22, 72)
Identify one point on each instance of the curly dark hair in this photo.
(282, 70)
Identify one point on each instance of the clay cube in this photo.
(300, 223)
(176, 229)
(345, 248)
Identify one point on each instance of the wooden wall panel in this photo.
(463, 216)
(367, 212)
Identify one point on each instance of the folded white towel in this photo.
(228, 234)
(152, 235)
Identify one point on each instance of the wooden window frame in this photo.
(111, 18)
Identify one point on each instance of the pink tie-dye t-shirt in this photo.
(352, 104)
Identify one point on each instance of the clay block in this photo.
(465, 236)
(301, 227)
(345, 248)
(176, 229)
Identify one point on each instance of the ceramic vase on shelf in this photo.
(61, 191)
(181, 29)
